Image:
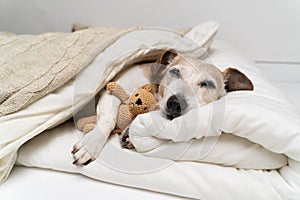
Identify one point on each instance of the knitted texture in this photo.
(124, 117)
(32, 66)
(116, 90)
(86, 124)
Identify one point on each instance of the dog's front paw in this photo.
(125, 141)
(88, 148)
(81, 154)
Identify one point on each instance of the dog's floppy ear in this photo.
(235, 80)
(158, 68)
(167, 57)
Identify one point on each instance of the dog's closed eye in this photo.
(207, 84)
(175, 72)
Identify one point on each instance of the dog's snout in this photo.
(175, 106)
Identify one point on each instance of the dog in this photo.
(181, 83)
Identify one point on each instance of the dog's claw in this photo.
(74, 151)
(88, 162)
(81, 155)
(75, 162)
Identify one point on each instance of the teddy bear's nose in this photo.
(139, 102)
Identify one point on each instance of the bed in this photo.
(273, 174)
(266, 32)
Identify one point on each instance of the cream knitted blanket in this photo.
(32, 66)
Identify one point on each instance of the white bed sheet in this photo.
(35, 184)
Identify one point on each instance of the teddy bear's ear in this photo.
(148, 87)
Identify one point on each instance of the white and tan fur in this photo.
(182, 83)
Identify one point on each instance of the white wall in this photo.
(264, 30)
(267, 31)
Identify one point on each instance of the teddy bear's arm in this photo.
(125, 117)
(116, 90)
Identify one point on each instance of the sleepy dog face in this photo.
(186, 83)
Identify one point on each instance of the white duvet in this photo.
(258, 156)
(18, 127)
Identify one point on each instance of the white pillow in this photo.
(263, 116)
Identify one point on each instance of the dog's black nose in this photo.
(175, 106)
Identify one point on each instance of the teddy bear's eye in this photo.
(145, 108)
(136, 95)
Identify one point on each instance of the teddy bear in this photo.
(141, 101)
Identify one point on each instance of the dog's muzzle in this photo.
(176, 104)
